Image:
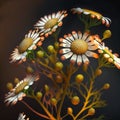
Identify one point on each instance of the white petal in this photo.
(85, 35)
(79, 35)
(79, 59)
(85, 59)
(66, 41)
(65, 45)
(75, 35)
(68, 55)
(73, 58)
(66, 50)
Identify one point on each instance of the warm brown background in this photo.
(17, 17)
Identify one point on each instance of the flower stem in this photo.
(37, 113)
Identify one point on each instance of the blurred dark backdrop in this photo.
(17, 17)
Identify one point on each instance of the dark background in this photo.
(17, 17)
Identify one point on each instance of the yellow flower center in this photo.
(79, 46)
(93, 13)
(108, 52)
(50, 23)
(25, 44)
(21, 87)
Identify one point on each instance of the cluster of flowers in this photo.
(76, 46)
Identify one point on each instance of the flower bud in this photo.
(39, 95)
(40, 54)
(9, 86)
(91, 111)
(16, 80)
(59, 79)
(46, 88)
(58, 66)
(29, 70)
(53, 101)
(56, 44)
(79, 78)
(69, 110)
(51, 48)
(75, 100)
(106, 34)
(106, 86)
(98, 72)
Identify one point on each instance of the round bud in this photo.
(58, 66)
(106, 86)
(59, 79)
(9, 86)
(51, 48)
(46, 88)
(29, 70)
(69, 110)
(40, 54)
(53, 101)
(79, 78)
(107, 34)
(16, 80)
(56, 44)
(39, 95)
(91, 111)
(75, 100)
(98, 72)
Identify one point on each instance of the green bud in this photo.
(106, 34)
(9, 86)
(59, 66)
(53, 101)
(40, 54)
(16, 80)
(51, 49)
(39, 95)
(46, 88)
(79, 78)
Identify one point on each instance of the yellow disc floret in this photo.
(79, 46)
(50, 23)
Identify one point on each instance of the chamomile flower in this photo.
(110, 57)
(93, 14)
(28, 43)
(48, 24)
(78, 47)
(17, 93)
(22, 117)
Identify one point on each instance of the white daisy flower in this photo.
(28, 43)
(48, 24)
(22, 117)
(17, 94)
(93, 14)
(107, 53)
(78, 47)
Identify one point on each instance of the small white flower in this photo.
(48, 24)
(22, 117)
(93, 14)
(78, 47)
(28, 43)
(17, 94)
